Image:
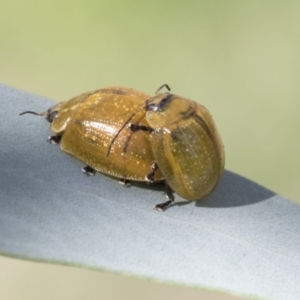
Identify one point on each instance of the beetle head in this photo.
(166, 108)
(159, 102)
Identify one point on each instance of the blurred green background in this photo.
(241, 59)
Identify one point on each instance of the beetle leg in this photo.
(150, 176)
(54, 139)
(170, 196)
(125, 182)
(136, 127)
(88, 171)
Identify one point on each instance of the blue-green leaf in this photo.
(242, 238)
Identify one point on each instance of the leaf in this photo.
(242, 239)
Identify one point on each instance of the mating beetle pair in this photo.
(133, 136)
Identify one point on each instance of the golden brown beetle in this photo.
(127, 134)
(186, 145)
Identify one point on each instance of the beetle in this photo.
(186, 145)
(132, 136)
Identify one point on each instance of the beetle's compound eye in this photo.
(159, 103)
(150, 106)
(164, 102)
(51, 115)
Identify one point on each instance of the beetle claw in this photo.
(54, 139)
(163, 206)
(149, 180)
(170, 197)
(89, 171)
(125, 182)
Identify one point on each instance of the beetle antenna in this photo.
(161, 87)
(29, 112)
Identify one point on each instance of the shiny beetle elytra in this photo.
(132, 136)
(186, 145)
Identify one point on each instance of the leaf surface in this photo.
(242, 238)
